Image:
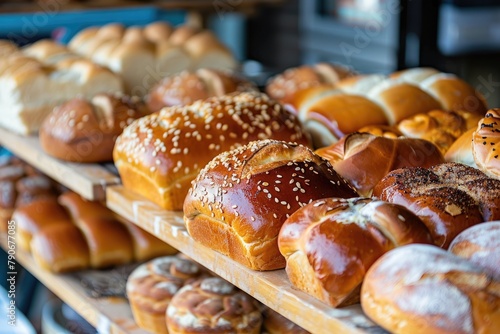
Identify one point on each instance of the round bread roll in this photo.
(212, 305)
(484, 143)
(364, 159)
(284, 86)
(159, 155)
(85, 131)
(424, 289)
(481, 245)
(240, 200)
(461, 150)
(275, 323)
(448, 197)
(151, 286)
(330, 243)
(187, 87)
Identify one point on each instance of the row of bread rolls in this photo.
(40, 76)
(175, 295)
(144, 55)
(20, 184)
(424, 289)
(68, 233)
(327, 109)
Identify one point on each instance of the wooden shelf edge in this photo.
(271, 288)
(107, 315)
(88, 180)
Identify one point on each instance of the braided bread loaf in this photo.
(331, 112)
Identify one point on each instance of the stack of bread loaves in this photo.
(70, 233)
(143, 56)
(28, 74)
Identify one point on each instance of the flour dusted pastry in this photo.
(212, 305)
(424, 289)
(152, 285)
(159, 155)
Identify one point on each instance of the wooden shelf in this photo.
(271, 288)
(89, 180)
(107, 315)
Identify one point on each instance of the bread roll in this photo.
(158, 31)
(480, 244)
(159, 155)
(366, 158)
(448, 197)
(275, 323)
(151, 286)
(207, 51)
(60, 248)
(284, 86)
(145, 245)
(86, 131)
(34, 217)
(212, 305)
(189, 86)
(79, 207)
(330, 243)
(382, 131)
(461, 150)
(485, 143)
(240, 200)
(424, 289)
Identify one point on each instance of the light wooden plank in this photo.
(89, 180)
(271, 288)
(107, 315)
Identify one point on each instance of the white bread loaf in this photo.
(37, 78)
(145, 55)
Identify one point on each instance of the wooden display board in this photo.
(271, 288)
(88, 180)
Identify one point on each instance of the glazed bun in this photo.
(212, 305)
(485, 144)
(239, 201)
(423, 289)
(330, 243)
(159, 155)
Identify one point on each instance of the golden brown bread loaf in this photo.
(380, 100)
(275, 323)
(364, 159)
(284, 86)
(36, 216)
(42, 67)
(60, 248)
(448, 197)
(480, 244)
(240, 200)
(159, 155)
(86, 130)
(189, 86)
(423, 289)
(151, 286)
(212, 305)
(330, 243)
(485, 147)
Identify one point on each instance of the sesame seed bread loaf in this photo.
(330, 243)
(448, 197)
(213, 306)
(83, 130)
(240, 200)
(189, 86)
(152, 285)
(485, 141)
(417, 289)
(159, 155)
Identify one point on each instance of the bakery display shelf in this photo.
(88, 180)
(271, 288)
(107, 315)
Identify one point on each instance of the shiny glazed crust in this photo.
(485, 144)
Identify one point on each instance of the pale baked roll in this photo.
(213, 305)
(485, 144)
(330, 243)
(34, 217)
(480, 244)
(152, 285)
(59, 248)
(240, 200)
(158, 31)
(424, 289)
